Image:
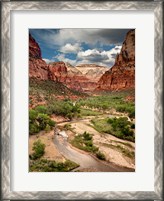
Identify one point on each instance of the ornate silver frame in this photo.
(7, 6)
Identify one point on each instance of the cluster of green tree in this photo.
(39, 121)
(39, 116)
(64, 108)
(119, 127)
(107, 102)
(129, 108)
(43, 165)
(122, 128)
(39, 150)
(85, 142)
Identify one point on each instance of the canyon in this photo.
(93, 105)
(87, 77)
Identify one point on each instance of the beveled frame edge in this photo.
(7, 7)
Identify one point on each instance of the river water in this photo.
(86, 161)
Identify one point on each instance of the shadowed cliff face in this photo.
(83, 77)
(122, 75)
(87, 77)
(62, 72)
(37, 67)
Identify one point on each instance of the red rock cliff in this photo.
(122, 75)
(68, 75)
(56, 71)
(37, 67)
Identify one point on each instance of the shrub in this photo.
(47, 128)
(34, 128)
(102, 126)
(39, 121)
(132, 113)
(32, 115)
(43, 120)
(120, 122)
(41, 109)
(44, 165)
(100, 155)
(84, 142)
(39, 149)
(119, 127)
(89, 143)
(67, 127)
(51, 123)
(64, 108)
(108, 101)
(122, 128)
(87, 136)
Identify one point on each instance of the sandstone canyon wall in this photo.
(68, 75)
(92, 71)
(122, 75)
(37, 67)
(87, 77)
(62, 72)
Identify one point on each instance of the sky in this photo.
(80, 46)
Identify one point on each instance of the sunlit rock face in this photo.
(122, 75)
(68, 75)
(60, 71)
(87, 77)
(92, 71)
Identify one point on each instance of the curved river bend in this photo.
(85, 161)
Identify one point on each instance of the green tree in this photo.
(39, 149)
(41, 109)
(32, 115)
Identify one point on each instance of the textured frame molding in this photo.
(156, 7)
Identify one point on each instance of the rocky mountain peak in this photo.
(37, 66)
(122, 75)
(34, 49)
(127, 54)
(87, 77)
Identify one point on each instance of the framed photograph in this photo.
(81, 100)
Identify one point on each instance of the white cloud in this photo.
(99, 57)
(103, 58)
(61, 57)
(69, 48)
(48, 60)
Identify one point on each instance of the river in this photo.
(86, 161)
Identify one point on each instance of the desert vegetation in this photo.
(119, 127)
(79, 112)
(40, 164)
(39, 150)
(109, 101)
(44, 165)
(85, 142)
(38, 121)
